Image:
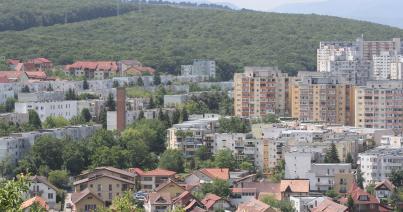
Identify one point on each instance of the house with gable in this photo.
(41, 187)
(213, 202)
(158, 202)
(85, 200)
(295, 187)
(207, 175)
(150, 180)
(384, 189)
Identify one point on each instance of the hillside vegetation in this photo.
(165, 37)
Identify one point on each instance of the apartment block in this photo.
(242, 145)
(377, 164)
(260, 91)
(200, 68)
(66, 109)
(190, 135)
(379, 105)
(317, 99)
(373, 48)
(41, 96)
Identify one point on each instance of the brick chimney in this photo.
(120, 109)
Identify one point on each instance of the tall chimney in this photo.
(120, 109)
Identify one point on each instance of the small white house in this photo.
(40, 186)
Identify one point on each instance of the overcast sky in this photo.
(262, 4)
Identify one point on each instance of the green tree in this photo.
(224, 159)
(55, 122)
(140, 82)
(331, 155)
(331, 193)
(33, 119)
(218, 187)
(70, 95)
(103, 118)
(284, 205)
(151, 104)
(202, 153)
(85, 84)
(359, 178)
(176, 116)
(350, 203)
(59, 178)
(396, 177)
(11, 193)
(48, 150)
(184, 115)
(172, 160)
(270, 119)
(75, 157)
(10, 104)
(370, 188)
(233, 125)
(77, 120)
(349, 158)
(245, 165)
(110, 103)
(157, 79)
(86, 115)
(114, 156)
(124, 203)
(141, 115)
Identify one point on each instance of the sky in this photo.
(262, 5)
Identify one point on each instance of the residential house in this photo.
(170, 187)
(384, 189)
(92, 69)
(329, 206)
(85, 200)
(213, 202)
(305, 203)
(150, 180)
(294, 188)
(105, 182)
(242, 195)
(255, 205)
(41, 187)
(36, 200)
(187, 201)
(343, 182)
(207, 175)
(158, 202)
(363, 201)
(41, 63)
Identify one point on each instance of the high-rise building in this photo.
(379, 105)
(321, 99)
(260, 91)
(373, 48)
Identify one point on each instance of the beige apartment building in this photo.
(316, 99)
(379, 105)
(260, 91)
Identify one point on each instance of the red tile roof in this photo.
(4, 79)
(329, 206)
(39, 60)
(243, 190)
(253, 205)
(356, 192)
(216, 173)
(387, 184)
(94, 65)
(155, 172)
(13, 61)
(209, 200)
(139, 70)
(36, 75)
(294, 185)
(28, 203)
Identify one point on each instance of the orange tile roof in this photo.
(356, 192)
(329, 206)
(387, 184)
(39, 60)
(155, 172)
(36, 74)
(36, 199)
(4, 79)
(294, 185)
(139, 70)
(13, 61)
(209, 200)
(243, 190)
(11, 74)
(253, 205)
(94, 65)
(216, 173)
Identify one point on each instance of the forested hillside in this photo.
(165, 37)
(24, 14)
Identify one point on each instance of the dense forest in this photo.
(164, 37)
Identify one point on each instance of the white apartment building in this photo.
(41, 96)
(306, 203)
(381, 66)
(200, 68)
(322, 175)
(392, 141)
(16, 118)
(297, 165)
(241, 144)
(66, 109)
(377, 164)
(396, 68)
(189, 135)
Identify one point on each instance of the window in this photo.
(99, 187)
(110, 187)
(110, 196)
(50, 196)
(90, 207)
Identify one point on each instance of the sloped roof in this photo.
(13, 61)
(39, 60)
(210, 199)
(156, 198)
(253, 205)
(36, 74)
(4, 79)
(36, 199)
(168, 182)
(44, 180)
(356, 192)
(95, 65)
(244, 190)
(77, 196)
(294, 185)
(155, 172)
(216, 173)
(387, 184)
(88, 179)
(11, 74)
(329, 206)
